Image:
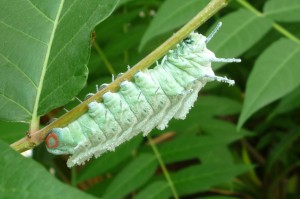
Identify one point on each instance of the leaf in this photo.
(156, 190)
(290, 102)
(205, 108)
(217, 155)
(217, 105)
(12, 131)
(135, 174)
(171, 14)
(190, 146)
(218, 197)
(204, 177)
(280, 149)
(24, 178)
(274, 75)
(283, 11)
(44, 53)
(241, 30)
(109, 160)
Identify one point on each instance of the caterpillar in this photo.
(150, 100)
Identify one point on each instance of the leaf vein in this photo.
(19, 69)
(20, 31)
(15, 102)
(40, 11)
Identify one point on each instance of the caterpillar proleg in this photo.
(150, 100)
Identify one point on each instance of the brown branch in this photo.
(38, 136)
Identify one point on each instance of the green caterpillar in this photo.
(150, 100)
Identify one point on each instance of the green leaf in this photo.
(109, 160)
(204, 177)
(44, 53)
(283, 10)
(24, 178)
(217, 155)
(280, 149)
(217, 105)
(240, 31)
(290, 102)
(12, 131)
(218, 197)
(274, 75)
(135, 174)
(194, 179)
(156, 190)
(190, 146)
(172, 14)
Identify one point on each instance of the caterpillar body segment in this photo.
(150, 100)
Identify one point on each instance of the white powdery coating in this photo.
(152, 99)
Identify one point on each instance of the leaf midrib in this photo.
(45, 64)
(259, 93)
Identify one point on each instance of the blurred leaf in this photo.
(135, 174)
(24, 178)
(241, 30)
(156, 190)
(283, 10)
(109, 160)
(203, 177)
(274, 75)
(217, 105)
(289, 102)
(279, 150)
(129, 40)
(191, 146)
(216, 155)
(12, 131)
(194, 179)
(44, 52)
(205, 108)
(115, 22)
(218, 197)
(172, 14)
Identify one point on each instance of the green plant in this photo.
(198, 157)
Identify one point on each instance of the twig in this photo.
(163, 167)
(38, 136)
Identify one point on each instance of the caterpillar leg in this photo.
(220, 79)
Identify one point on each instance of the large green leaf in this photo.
(275, 73)
(44, 51)
(12, 131)
(136, 173)
(172, 14)
(240, 31)
(24, 178)
(283, 10)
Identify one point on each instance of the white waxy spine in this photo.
(151, 100)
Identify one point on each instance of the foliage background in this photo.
(237, 142)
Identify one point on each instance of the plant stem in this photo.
(276, 26)
(73, 176)
(38, 136)
(163, 167)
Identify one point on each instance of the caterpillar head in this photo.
(197, 41)
(59, 142)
